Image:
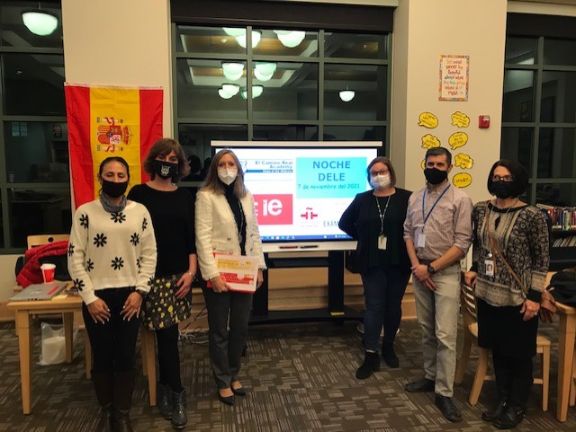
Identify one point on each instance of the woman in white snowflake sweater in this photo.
(111, 259)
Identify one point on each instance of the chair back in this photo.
(468, 304)
(40, 239)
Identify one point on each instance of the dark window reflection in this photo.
(196, 139)
(291, 93)
(210, 40)
(15, 34)
(33, 84)
(355, 133)
(521, 50)
(558, 97)
(355, 45)
(355, 92)
(1, 228)
(285, 133)
(518, 103)
(38, 212)
(517, 145)
(556, 194)
(559, 52)
(36, 151)
(210, 89)
(557, 153)
(286, 43)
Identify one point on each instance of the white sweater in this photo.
(111, 250)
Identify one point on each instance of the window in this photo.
(34, 172)
(251, 83)
(539, 115)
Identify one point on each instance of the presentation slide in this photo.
(300, 193)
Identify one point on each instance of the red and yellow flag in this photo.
(109, 121)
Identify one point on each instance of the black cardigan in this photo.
(361, 221)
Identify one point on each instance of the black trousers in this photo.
(169, 357)
(513, 378)
(114, 342)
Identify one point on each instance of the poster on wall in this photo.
(454, 77)
(109, 121)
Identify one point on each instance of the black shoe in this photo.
(228, 400)
(510, 418)
(179, 418)
(165, 404)
(447, 408)
(240, 391)
(491, 415)
(420, 386)
(371, 364)
(120, 421)
(389, 356)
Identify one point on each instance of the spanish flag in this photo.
(109, 121)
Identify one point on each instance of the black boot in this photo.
(179, 418)
(371, 364)
(389, 355)
(165, 403)
(511, 417)
(494, 413)
(123, 387)
(103, 385)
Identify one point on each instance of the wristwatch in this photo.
(431, 270)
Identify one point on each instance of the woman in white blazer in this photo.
(226, 223)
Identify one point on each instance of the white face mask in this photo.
(227, 175)
(380, 181)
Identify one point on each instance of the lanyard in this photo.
(425, 217)
(382, 215)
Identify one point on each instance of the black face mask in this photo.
(501, 189)
(113, 189)
(165, 169)
(435, 176)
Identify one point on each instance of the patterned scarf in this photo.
(109, 206)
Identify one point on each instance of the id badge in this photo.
(382, 241)
(420, 240)
(489, 266)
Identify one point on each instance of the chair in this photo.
(40, 239)
(468, 306)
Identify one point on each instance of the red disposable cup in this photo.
(48, 271)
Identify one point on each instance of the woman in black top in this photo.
(169, 302)
(375, 219)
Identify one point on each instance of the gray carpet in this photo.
(300, 378)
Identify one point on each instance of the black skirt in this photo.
(502, 330)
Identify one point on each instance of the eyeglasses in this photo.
(506, 178)
(375, 173)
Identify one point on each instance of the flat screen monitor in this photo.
(301, 189)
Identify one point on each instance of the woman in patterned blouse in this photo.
(510, 261)
(111, 259)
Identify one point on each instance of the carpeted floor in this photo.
(300, 377)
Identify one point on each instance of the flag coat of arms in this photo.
(109, 121)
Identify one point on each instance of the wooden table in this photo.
(66, 305)
(567, 327)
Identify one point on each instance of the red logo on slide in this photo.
(274, 209)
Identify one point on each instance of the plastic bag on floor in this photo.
(53, 349)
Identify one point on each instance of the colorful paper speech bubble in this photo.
(460, 119)
(430, 141)
(457, 140)
(463, 160)
(428, 120)
(462, 180)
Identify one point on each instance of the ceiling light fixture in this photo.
(232, 70)
(347, 95)
(264, 71)
(290, 39)
(228, 90)
(233, 31)
(256, 36)
(257, 90)
(40, 22)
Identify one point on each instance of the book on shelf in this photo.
(562, 218)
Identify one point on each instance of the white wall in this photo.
(423, 31)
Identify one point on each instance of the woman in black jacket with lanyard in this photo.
(375, 219)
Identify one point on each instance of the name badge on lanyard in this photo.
(382, 240)
(420, 236)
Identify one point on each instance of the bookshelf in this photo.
(562, 237)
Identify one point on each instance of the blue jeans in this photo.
(383, 292)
